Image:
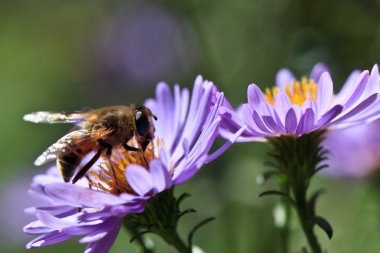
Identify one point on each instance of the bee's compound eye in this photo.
(142, 123)
(138, 115)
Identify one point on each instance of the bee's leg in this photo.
(85, 168)
(109, 154)
(129, 148)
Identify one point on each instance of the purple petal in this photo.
(37, 227)
(306, 122)
(52, 221)
(348, 87)
(309, 103)
(271, 124)
(81, 197)
(266, 109)
(359, 108)
(330, 115)
(139, 179)
(259, 122)
(284, 77)
(101, 231)
(282, 105)
(160, 175)
(105, 244)
(48, 239)
(291, 121)
(225, 146)
(279, 123)
(247, 115)
(317, 71)
(325, 93)
(360, 85)
(255, 96)
(374, 81)
(298, 111)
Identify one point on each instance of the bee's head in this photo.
(144, 131)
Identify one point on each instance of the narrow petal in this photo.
(81, 197)
(139, 179)
(104, 245)
(325, 93)
(53, 222)
(259, 122)
(359, 108)
(348, 87)
(37, 227)
(248, 118)
(306, 122)
(291, 121)
(284, 77)
(226, 145)
(330, 115)
(48, 239)
(359, 87)
(318, 70)
(374, 81)
(255, 96)
(271, 123)
(282, 105)
(160, 175)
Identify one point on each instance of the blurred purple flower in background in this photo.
(95, 207)
(145, 43)
(299, 107)
(353, 152)
(15, 199)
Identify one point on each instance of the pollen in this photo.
(298, 91)
(110, 176)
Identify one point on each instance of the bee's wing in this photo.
(76, 137)
(54, 117)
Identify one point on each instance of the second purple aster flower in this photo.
(294, 117)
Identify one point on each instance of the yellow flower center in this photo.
(111, 175)
(297, 91)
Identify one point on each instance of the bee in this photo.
(99, 130)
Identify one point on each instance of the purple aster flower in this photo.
(97, 205)
(299, 107)
(353, 152)
(293, 118)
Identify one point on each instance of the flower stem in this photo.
(297, 160)
(307, 223)
(285, 229)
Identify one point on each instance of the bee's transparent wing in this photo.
(76, 137)
(53, 117)
(51, 153)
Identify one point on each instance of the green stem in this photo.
(307, 222)
(285, 230)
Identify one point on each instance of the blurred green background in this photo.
(70, 55)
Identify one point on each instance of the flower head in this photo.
(297, 107)
(95, 207)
